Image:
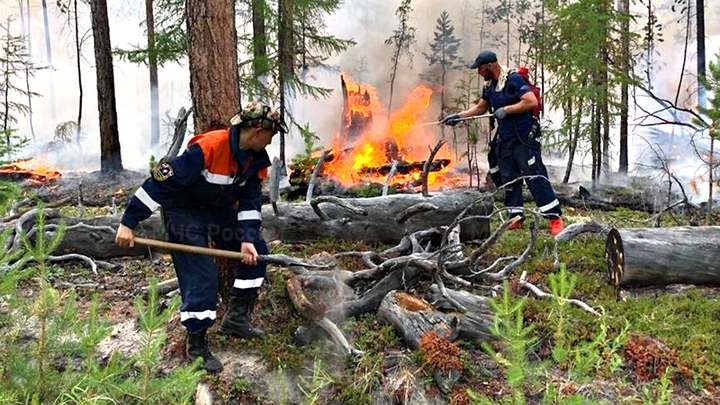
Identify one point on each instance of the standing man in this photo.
(212, 192)
(515, 150)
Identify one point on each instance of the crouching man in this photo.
(212, 192)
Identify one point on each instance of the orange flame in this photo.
(362, 99)
(119, 192)
(37, 169)
(373, 153)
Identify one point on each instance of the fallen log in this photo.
(413, 317)
(402, 278)
(97, 239)
(300, 223)
(676, 255)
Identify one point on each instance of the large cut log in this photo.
(299, 222)
(646, 256)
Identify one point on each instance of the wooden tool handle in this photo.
(197, 250)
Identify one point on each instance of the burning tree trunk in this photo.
(354, 124)
(647, 256)
(110, 159)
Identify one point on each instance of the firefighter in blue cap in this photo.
(212, 192)
(515, 150)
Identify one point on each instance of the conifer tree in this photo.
(15, 64)
(296, 41)
(443, 55)
(400, 41)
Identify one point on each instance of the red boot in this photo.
(556, 226)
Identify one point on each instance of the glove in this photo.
(451, 120)
(500, 113)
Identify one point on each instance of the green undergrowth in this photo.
(686, 321)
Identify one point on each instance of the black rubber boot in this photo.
(237, 318)
(197, 347)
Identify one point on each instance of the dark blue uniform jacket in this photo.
(514, 125)
(212, 173)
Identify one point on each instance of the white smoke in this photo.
(368, 22)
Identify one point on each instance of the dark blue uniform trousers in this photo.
(197, 275)
(513, 158)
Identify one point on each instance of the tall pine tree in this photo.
(443, 55)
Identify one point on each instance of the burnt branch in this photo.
(315, 204)
(574, 230)
(391, 174)
(316, 173)
(415, 210)
(427, 166)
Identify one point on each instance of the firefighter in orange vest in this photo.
(212, 192)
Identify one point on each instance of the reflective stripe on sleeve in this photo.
(145, 198)
(249, 215)
(216, 178)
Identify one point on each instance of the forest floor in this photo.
(652, 345)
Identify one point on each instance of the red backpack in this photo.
(523, 71)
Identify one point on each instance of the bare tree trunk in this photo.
(259, 40)
(25, 20)
(606, 127)
(573, 140)
(710, 185)
(153, 66)
(396, 60)
(6, 92)
(286, 65)
(507, 34)
(442, 104)
(110, 159)
(212, 53)
(595, 140)
(79, 73)
(624, 9)
(48, 50)
(700, 18)
(542, 48)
